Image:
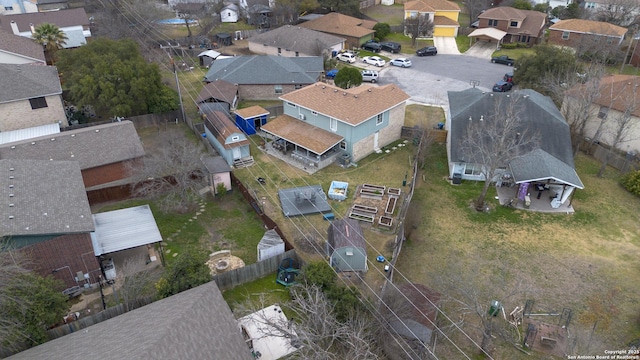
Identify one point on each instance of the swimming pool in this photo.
(176, 21)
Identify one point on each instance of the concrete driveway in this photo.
(446, 45)
(481, 49)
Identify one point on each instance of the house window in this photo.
(235, 138)
(514, 24)
(279, 51)
(604, 111)
(343, 145)
(38, 103)
(493, 23)
(278, 89)
(379, 119)
(8, 8)
(297, 54)
(333, 124)
(565, 35)
(472, 169)
(297, 86)
(291, 104)
(590, 5)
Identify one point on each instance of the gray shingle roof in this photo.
(48, 197)
(346, 233)
(539, 115)
(21, 46)
(218, 90)
(27, 81)
(295, 38)
(60, 18)
(216, 164)
(266, 69)
(194, 324)
(91, 146)
(539, 165)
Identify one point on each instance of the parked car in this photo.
(390, 46)
(347, 57)
(374, 60)
(402, 62)
(502, 86)
(370, 76)
(331, 74)
(508, 77)
(372, 46)
(503, 59)
(428, 50)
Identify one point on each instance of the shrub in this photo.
(382, 30)
(631, 182)
(509, 46)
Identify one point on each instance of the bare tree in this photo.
(492, 140)
(11, 265)
(173, 171)
(476, 7)
(418, 26)
(136, 279)
(618, 12)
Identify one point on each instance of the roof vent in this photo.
(10, 195)
(11, 205)
(13, 147)
(470, 118)
(10, 176)
(97, 130)
(11, 169)
(73, 135)
(344, 94)
(53, 139)
(10, 186)
(369, 90)
(33, 143)
(72, 155)
(355, 96)
(324, 87)
(45, 214)
(335, 90)
(10, 216)
(481, 117)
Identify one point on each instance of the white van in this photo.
(370, 76)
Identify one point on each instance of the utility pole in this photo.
(175, 74)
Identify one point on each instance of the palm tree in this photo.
(51, 37)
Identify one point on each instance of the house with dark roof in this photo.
(16, 49)
(346, 246)
(218, 95)
(585, 35)
(289, 40)
(551, 165)
(442, 13)
(46, 216)
(251, 119)
(618, 99)
(266, 77)
(30, 95)
(511, 25)
(73, 22)
(355, 31)
(229, 141)
(416, 307)
(194, 324)
(323, 122)
(101, 151)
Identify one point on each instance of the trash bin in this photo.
(495, 308)
(457, 178)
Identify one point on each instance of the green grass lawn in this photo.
(258, 293)
(514, 53)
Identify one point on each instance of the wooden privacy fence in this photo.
(410, 133)
(232, 278)
(624, 163)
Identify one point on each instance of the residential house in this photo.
(218, 172)
(230, 13)
(10, 7)
(218, 95)
(30, 95)
(346, 246)
(73, 22)
(618, 97)
(47, 218)
(16, 50)
(251, 119)
(266, 77)
(291, 40)
(323, 122)
(511, 25)
(551, 165)
(355, 31)
(194, 324)
(417, 310)
(442, 13)
(229, 141)
(101, 151)
(586, 35)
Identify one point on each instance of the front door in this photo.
(375, 140)
(236, 153)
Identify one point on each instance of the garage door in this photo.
(440, 31)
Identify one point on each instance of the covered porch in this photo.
(540, 198)
(301, 145)
(488, 34)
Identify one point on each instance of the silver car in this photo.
(402, 62)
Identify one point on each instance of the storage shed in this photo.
(251, 119)
(270, 245)
(231, 143)
(229, 13)
(346, 246)
(218, 172)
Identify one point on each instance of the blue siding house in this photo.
(230, 143)
(251, 119)
(322, 122)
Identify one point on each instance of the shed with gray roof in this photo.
(292, 40)
(346, 246)
(194, 324)
(266, 77)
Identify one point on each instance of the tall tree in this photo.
(522, 5)
(348, 77)
(476, 7)
(492, 140)
(136, 279)
(52, 38)
(618, 12)
(114, 78)
(418, 26)
(346, 7)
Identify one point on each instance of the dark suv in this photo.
(392, 47)
(372, 46)
(429, 50)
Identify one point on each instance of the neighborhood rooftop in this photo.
(43, 197)
(336, 23)
(25, 81)
(266, 69)
(297, 39)
(90, 147)
(351, 106)
(589, 27)
(59, 18)
(124, 229)
(431, 6)
(15, 44)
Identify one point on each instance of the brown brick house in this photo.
(586, 35)
(522, 26)
(355, 31)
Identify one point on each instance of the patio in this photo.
(300, 160)
(540, 203)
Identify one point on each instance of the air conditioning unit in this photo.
(302, 117)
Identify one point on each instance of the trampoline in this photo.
(287, 272)
(303, 200)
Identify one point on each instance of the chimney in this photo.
(14, 28)
(33, 28)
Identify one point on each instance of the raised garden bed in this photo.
(385, 221)
(374, 187)
(361, 217)
(371, 193)
(364, 209)
(394, 191)
(391, 205)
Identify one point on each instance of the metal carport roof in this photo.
(493, 33)
(124, 229)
